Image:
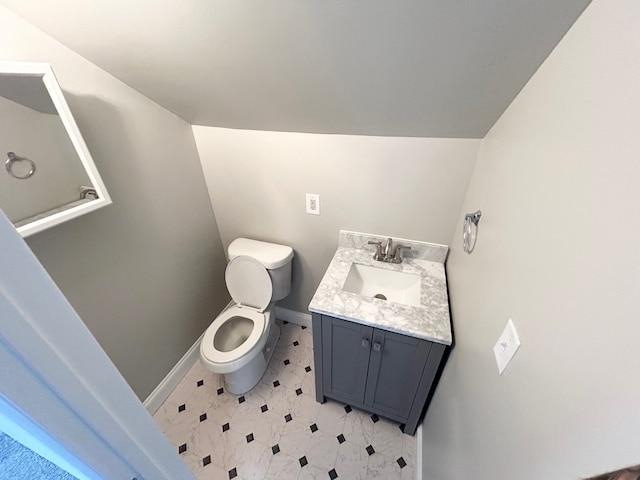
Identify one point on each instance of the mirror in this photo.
(48, 175)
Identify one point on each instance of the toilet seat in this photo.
(250, 287)
(237, 357)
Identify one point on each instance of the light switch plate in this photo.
(506, 346)
(313, 203)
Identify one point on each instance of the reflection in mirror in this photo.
(49, 175)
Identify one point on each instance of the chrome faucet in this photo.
(389, 254)
(397, 255)
(378, 255)
(387, 248)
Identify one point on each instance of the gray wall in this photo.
(558, 180)
(146, 274)
(401, 187)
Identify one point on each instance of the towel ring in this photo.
(470, 231)
(13, 159)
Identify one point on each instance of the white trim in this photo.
(25, 431)
(419, 453)
(55, 372)
(292, 316)
(171, 381)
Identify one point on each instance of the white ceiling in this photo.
(431, 68)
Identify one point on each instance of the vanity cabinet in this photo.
(374, 369)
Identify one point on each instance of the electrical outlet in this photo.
(506, 346)
(313, 203)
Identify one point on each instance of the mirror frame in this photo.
(55, 92)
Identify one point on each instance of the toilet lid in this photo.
(249, 282)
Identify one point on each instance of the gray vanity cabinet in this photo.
(345, 343)
(373, 369)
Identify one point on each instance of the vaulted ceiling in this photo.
(431, 68)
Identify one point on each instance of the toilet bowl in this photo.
(240, 341)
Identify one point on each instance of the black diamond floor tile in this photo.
(238, 470)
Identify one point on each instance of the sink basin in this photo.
(391, 285)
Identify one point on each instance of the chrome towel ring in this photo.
(470, 231)
(14, 161)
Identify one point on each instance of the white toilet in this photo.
(240, 341)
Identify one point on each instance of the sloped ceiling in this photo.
(431, 68)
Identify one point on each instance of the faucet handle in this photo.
(397, 255)
(378, 244)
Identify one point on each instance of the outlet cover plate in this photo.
(313, 204)
(506, 346)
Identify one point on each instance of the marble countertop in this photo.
(429, 321)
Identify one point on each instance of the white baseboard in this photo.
(171, 381)
(419, 453)
(292, 316)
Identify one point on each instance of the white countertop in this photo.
(429, 321)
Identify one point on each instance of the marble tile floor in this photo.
(278, 430)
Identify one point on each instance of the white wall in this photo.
(146, 274)
(401, 187)
(558, 180)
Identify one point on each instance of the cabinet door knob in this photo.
(365, 342)
(377, 346)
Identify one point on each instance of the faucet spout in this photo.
(387, 248)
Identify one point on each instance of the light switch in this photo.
(506, 346)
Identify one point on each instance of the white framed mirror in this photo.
(48, 176)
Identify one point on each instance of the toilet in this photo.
(240, 341)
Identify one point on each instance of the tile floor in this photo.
(278, 430)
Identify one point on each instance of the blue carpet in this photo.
(18, 462)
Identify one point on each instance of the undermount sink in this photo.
(391, 285)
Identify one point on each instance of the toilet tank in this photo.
(275, 258)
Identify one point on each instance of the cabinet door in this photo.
(395, 369)
(345, 358)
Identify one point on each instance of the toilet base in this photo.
(243, 380)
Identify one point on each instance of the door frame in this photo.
(54, 373)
